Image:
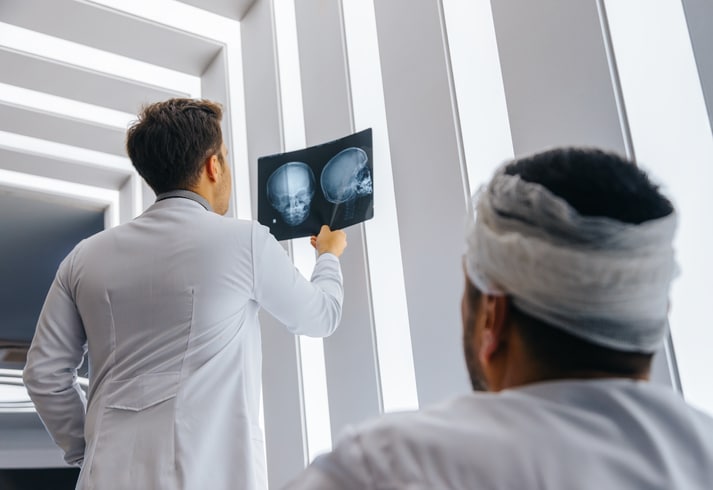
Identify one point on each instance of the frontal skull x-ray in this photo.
(290, 190)
(328, 184)
(346, 177)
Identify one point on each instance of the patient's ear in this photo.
(493, 326)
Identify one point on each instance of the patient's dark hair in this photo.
(171, 139)
(595, 183)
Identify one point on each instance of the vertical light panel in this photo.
(314, 384)
(482, 111)
(285, 439)
(148, 197)
(289, 75)
(429, 187)
(137, 194)
(314, 377)
(235, 92)
(672, 137)
(130, 198)
(350, 355)
(393, 336)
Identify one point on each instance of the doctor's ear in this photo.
(494, 325)
(213, 167)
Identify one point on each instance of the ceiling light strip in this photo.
(96, 197)
(67, 108)
(60, 50)
(60, 151)
(177, 15)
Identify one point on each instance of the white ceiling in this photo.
(233, 9)
(78, 56)
(113, 31)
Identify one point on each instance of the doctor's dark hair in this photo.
(595, 183)
(170, 140)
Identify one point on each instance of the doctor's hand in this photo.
(329, 241)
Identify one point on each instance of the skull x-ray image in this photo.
(290, 190)
(328, 184)
(347, 177)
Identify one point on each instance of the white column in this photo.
(282, 382)
(350, 358)
(430, 187)
(558, 86)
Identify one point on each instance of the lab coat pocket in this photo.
(143, 391)
(135, 447)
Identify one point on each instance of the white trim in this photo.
(74, 54)
(60, 151)
(44, 103)
(175, 14)
(81, 194)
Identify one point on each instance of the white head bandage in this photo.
(597, 278)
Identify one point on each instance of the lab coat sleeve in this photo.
(312, 307)
(50, 373)
(345, 468)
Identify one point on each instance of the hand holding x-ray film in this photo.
(329, 184)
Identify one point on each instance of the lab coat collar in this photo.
(186, 195)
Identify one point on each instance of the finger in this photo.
(325, 229)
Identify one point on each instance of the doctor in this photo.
(568, 268)
(167, 307)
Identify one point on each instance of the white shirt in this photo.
(168, 305)
(566, 435)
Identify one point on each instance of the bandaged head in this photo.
(597, 278)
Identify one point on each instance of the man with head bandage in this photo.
(568, 266)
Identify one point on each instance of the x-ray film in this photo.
(329, 184)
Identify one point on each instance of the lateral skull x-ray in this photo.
(346, 177)
(290, 190)
(328, 184)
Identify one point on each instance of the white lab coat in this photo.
(168, 306)
(565, 435)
